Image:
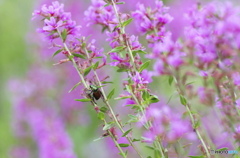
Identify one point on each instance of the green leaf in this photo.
(108, 4)
(149, 157)
(128, 88)
(64, 35)
(95, 66)
(78, 55)
(122, 70)
(75, 86)
(70, 57)
(222, 149)
(157, 153)
(83, 100)
(108, 126)
(183, 100)
(201, 156)
(120, 3)
(135, 107)
(145, 95)
(87, 70)
(123, 145)
(133, 118)
(127, 22)
(153, 99)
(57, 52)
(136, 140)
(170, 80)
(122, 154)
(111, 94)
(144, 66)
(101, 115)
(117, 49)
(149, 147)
(120, 98)
(134, 52)
(103, 109)
(196, 125)
(189, 83)
(125, 133)
(98, 139)
(105, 82)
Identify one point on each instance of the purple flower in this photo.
(51, 24)
(56, 20)
(120, 62)
(138, 79)
(148, 19)
(98, 14)
(164, 123)
(236, 78)
(203, 73)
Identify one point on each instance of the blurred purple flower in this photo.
(236, 78)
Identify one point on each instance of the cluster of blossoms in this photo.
(169, 128)
(208, 52)
(36, 121)
(212, 41)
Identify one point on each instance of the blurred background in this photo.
(16, 58)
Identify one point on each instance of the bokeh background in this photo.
(16, 57)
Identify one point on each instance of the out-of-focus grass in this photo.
(15, 17)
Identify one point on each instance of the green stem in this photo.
(187, 106)
(110, 108)
(86, 86)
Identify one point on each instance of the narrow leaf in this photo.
(139, 52)
(78, 55)
(120, 98)
(120, 3)
(75, 86)
(183, 100)
(87, 70)
(64, 35)
(103, 109)
(144, 66)
(108, 126)
(123, 145)
(98, 139)
(197, 124)
(104, 82)
(111, 94)
(127, 22)
(108, 4)
(95, 66)
(153, 99)
(136, 140)
(170, 80)
(149, 147)
(117, 49)
(125, 133)
(57, 52)
(83, 100)
(101, 115)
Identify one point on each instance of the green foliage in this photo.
(78, 55)
(144, 66)
(110, 94)
(57, 52)
(127, 22)
(126, 133)
(83, 100)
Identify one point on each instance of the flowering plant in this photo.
(172, 91)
